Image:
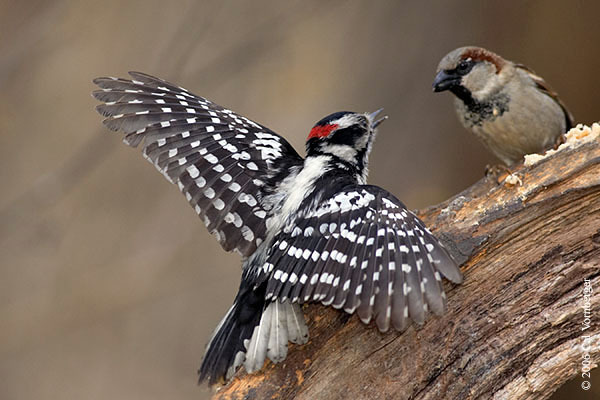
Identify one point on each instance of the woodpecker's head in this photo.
(345, 135)
(472, 74)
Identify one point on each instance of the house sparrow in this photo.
(506, 105)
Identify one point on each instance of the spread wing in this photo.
(362, 250)
(220, 160)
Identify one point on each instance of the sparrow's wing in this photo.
(543, 86)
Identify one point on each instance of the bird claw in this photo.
(497, 172)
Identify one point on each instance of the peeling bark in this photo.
(513, 329)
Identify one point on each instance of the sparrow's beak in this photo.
(445, 81)
(373, 115)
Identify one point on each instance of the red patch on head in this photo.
(321, 131)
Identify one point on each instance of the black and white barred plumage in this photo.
(309, 230)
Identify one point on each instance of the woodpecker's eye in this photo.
(464, 66)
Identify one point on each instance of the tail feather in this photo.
(280, 323)
(278, 337)
(251, 331)
(257, 346)
(297, 329)
(226, 351)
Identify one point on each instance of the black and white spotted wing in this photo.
(219, 160)
(361, 250)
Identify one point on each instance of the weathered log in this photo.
(513, 329)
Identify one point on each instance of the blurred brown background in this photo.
(109, 285)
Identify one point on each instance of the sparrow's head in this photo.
(471, 73)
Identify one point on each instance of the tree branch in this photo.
(514, 328)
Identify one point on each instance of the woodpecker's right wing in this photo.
(219, 159)
(361, 250)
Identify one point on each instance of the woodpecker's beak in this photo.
(445, 81)
(373, 115)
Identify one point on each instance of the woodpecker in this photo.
(308, 229)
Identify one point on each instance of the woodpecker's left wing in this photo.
(220, 160)
(361, 250)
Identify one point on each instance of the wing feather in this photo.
(363, 251)
(221, 161)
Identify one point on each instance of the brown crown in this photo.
(479, 54)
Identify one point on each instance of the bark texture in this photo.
(513, 329)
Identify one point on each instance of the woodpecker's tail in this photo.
(252, 330)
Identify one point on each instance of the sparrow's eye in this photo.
(464, 66)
